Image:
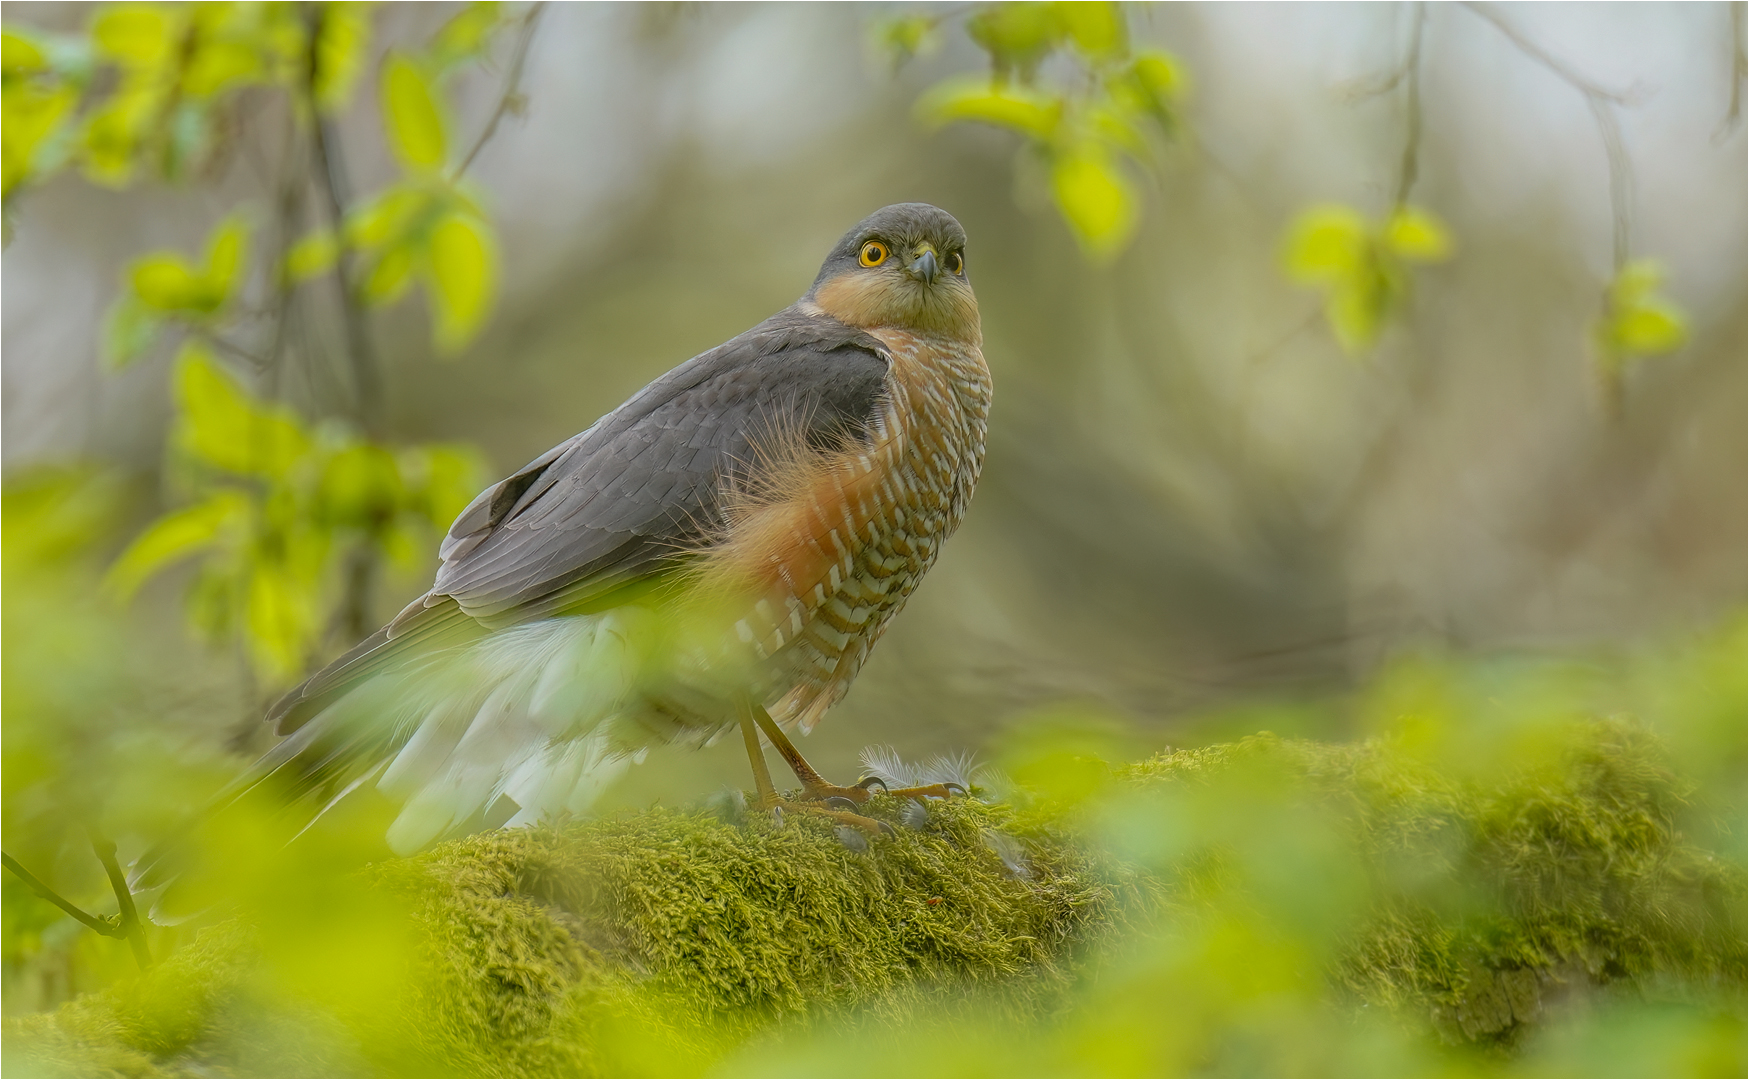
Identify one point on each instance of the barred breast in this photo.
(840, 542)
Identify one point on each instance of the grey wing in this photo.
(624, 498)
(629, 496)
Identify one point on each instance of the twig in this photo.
(124, 899)
(512, 99)
(1411, 166)
(366, 372)
(1602, 103)
(1739, 73)
(94, 922)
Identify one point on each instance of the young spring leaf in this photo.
(222, 425)
(176, 536)
(1096, 198)
(463, 279)
(341, 42)
(411, 115)
(1030, 112)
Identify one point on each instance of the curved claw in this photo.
(839, 802)
(870, 781)
(956, 788)
(888, 829)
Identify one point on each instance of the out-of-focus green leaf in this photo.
(411, 115)
(1017, 35)
(904, 37)
(220, 424)
(19, 54)
(176, 536)
(464, 277)
(312, 256)
(29, 116)
(168, 283)
(388, 217)
(216, 66)
(1029, 112)
(281, 618)
(1096, 198)
(340, 50)
(361, 486)
(442, 480)
(465, 36)
(1326, 244)
(1416, 235)
(135, 35)
(389, 276)
(1097, 27)
(130, 329)
(1638, 320)
(1357, 307)
(225, 253)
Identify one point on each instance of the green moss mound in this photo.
(667, 941)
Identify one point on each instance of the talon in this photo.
(839, 802)
(870, 781)
(955, 788)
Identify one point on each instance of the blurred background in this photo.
(1198, 502)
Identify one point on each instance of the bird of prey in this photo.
(724, 548)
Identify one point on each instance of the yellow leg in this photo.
(766, 796)
(815, 785)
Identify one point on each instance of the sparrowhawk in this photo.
(724, 548)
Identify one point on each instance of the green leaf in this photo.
(225, 254)
(340, 50)
(175, 536)
(1097, 27)
(361, 487)
(135, 35)
(312, 256)
(904, 37)
(130, 329)
(442, 480)
(221, 425)
(1096, 198)
(1029, 112)
(1356, 310)
(168, 283)
(463, 277)
(389, 276)
(1651, 329)
(19, 54)
(387, 218)
(1417, 236)
(1327, 244)
(1017, 35)
(217, 66)
(411, 115)
(465, 36)
(280, 621)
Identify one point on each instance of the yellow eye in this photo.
(955, 264)
(874, 253)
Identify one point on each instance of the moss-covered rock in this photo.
(662, 941)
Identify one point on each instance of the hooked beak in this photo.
(924, 266)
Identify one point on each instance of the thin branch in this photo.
(1739, 73)
(1411, 167)
(331, 174)
(512, 99)
(100, 925)
(124, 898)
(1603, 103)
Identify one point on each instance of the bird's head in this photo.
(902, 266)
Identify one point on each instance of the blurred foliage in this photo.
(276, 506)
(1512, 876)
(159, 86)
(1638, 320)
(1112, 104)
(1362, 267)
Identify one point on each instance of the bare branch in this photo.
(512, 99)
(1411, 166)
(1603, 103)
(1739, 73)
(100, 925)
(124, 898)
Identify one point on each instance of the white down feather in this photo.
(522, 713)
